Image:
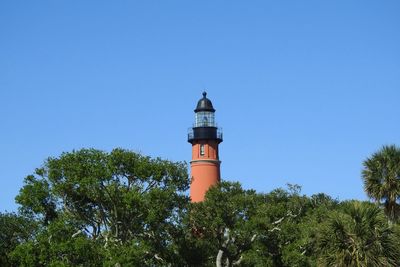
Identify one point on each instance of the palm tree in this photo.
(381, 175)
(361, 236)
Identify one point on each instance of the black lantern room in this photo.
(205, 127)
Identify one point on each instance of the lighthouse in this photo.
(205, 136)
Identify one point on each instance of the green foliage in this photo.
(92, 208)
(242, 227)
(381, 175)
(36, 199)
(117, 200)
(286, 221)
(224, 220)
(58, 245)
(14, 230)
(358, 235)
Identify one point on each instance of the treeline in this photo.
(92, 208)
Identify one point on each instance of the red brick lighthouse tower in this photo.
(205, 137)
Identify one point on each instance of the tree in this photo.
(14, 230)
(127, 204)
(93, 208)
(221, 226)
(237, 227)
(381, 175)
(286, 223)
(58, 244)
(360, 236)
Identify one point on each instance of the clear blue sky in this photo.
(304, 90)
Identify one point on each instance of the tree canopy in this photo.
(94, 208)
(381, 175)
(127, 204)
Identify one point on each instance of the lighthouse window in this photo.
(201, 150)
(205, 119)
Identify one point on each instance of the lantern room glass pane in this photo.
(205, 119)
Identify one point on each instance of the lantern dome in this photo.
(204, 104)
